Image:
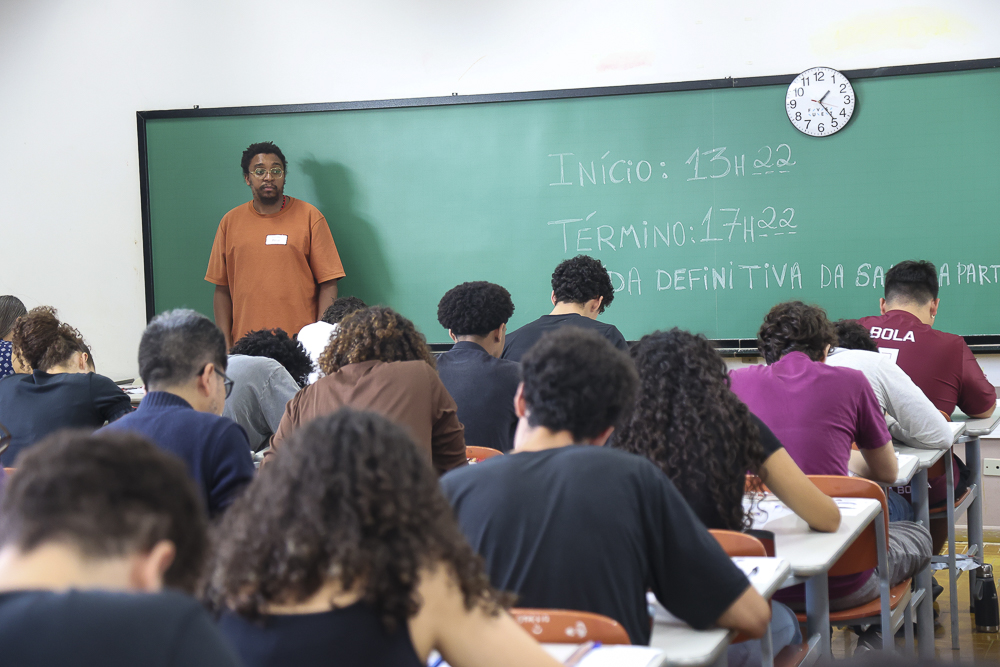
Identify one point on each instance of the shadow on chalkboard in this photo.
(368, 275)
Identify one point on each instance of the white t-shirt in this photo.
(315, 337)
(913, 418)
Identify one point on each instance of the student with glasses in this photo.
(182, 361)
(273, 263)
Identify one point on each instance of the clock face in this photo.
(820, 101)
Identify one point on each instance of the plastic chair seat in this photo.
(868, 609)
(942, 512)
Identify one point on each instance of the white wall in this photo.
(74, 73)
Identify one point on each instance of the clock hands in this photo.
(820, 102)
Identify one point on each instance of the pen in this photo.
(579, 653)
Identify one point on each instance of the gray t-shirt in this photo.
(261, 387)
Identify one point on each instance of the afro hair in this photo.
(475, 308)
(275, 344)
(581, 279)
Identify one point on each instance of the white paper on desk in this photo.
(621, 656)
(849, 506)
(766, 511)
(766, 567)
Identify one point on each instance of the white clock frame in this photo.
(820, 101)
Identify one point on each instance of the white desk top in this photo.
(907, 468)
(809, 552)
(925, 457)
(978, 427)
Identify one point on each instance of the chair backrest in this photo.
(862, 555)
(477, 454)
(947, 417)
(739, 544)
(564, 626)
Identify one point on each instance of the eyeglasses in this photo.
(260, 172)
(5, 438)
(226, 382)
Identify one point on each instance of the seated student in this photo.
(380, 362)
(941, 364)
(61, 391)
(913, 419)
(92, 529)
(566, 523)
(483, 385)
(690, 424)
(316, 336)
(581, 290)
(345, 552)
(817, 411)
(182, 361)
(11, 308)
(267, 368)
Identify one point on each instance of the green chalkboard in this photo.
(706, 206)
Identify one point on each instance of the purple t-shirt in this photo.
(816, 411)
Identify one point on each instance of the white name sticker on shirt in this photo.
(276, 239)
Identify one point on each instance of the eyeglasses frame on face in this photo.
(276, 172)
(227, 382)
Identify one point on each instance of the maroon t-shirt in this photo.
(816, 411)
(940, 363)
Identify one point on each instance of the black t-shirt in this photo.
(483, 388)
(44, 629)
(702, 502)
(590, 528)
(33, 406)
(520, 341)
(349, 637)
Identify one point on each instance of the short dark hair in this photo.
(108, 494)
(276, 344)
(912, 281)
(581, 279)
(176, 345)
(577, 381)
(852, 335)
(342, 306)
(11, 308)
(264, 147)
(475, 308)
(794, 326)
(354, 500)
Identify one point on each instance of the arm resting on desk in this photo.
(780, 474)
(878, 465)
(750, 614)
(987, 414)
(222, 308)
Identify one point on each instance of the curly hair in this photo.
(912, 281)
(576, 381)
(475, 308)
(854, 336)
(354, 500)
(581, 279)
(341, 306)
(689, 423)
(11, 308)
(108, 494)
(376, 333)
(265, 147)
(795, 327)
(275, 344)
(42, 341)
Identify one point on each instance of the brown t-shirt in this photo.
(410, 393)
(272, 265)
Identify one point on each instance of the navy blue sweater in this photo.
(214, 448)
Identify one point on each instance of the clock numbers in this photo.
(820, 102)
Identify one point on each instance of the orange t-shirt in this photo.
(272, 265)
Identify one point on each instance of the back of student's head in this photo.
(11, 308)
(475, 308)
(688, 422)
(794, 326)
(352, 499)
(341, 307)
(108, 495)
(911, 282)
(42, 341)
(176, 346)
(580, 279)
(576, 381)
(853, 335)
(378, 333)
(276, 344)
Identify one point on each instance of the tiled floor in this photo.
(982, 647)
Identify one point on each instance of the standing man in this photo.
(274, 263)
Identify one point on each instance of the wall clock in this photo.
(820, 101)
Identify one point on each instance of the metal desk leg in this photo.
(925, 612)
(949, 474)
(818, 611)
(974, 515)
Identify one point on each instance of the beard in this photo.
(269, 200)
